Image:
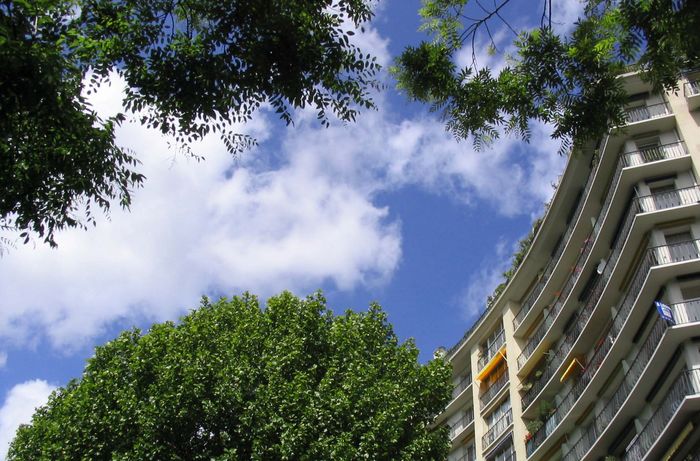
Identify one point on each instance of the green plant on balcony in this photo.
(533, 426)
(546, 408)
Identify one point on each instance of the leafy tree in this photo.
(234, 381)
(569, 81)
(191, 68)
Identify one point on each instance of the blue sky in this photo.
(389, 209)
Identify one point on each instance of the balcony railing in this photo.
(654, 154)
(665, 254)
(495, 387)
(655, 202)
(470, 455)
(640, 157)
(532, 296)
(463, 383)
(641, 113)
(669, 199)
(497, 429)
(692, 88)
(687, 384)
(685, 312)
(462, 423)
(492, 350)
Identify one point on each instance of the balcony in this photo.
(654, 202)
(691, 89)
(631, 159)
(645, 118)
(654, 154)
(470, 455)
(534, 294)
(642, 113)
(463, 383)
(637, 158)
(491, 355)
(497, 429)
(655, 256)
(493, 390)
(683, 313)
(461, 424)
(687, 385)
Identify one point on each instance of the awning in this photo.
(576, 361)
(495, 360)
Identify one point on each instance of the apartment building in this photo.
(592, 352)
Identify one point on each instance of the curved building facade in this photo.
(592, 351)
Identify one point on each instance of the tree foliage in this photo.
(191, 68)
(234, 381)
(569, 80)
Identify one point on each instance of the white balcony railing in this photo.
(494, 389)
(497, 429)
(640, 157)
(655, 256)
(463, 383)
(663, 152)
(641, 113)
(492, 349)
(687, 384)
(466, 419)
(683, 313)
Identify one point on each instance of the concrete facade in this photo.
(592, 352)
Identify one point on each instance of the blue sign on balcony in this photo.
(665, 312)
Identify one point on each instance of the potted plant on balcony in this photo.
(532, 427)
(546, 409)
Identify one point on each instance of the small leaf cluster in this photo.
(58, 159)
(517, 259)
(234, 381)
(191, 68)
(570, 81)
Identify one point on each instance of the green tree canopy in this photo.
(234, 381)
(568, 80)
(191, 68)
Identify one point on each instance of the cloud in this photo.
(18, 408)
(482, 283)
(297, 213)
(219, 226)
(565, 15)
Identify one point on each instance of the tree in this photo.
(191, 68)
(569, 81)
(234, 381)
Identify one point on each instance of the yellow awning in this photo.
(570, 369)
(495, 360)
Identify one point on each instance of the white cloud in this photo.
(482, 283)
(225, 225)
(565, 13)
(217, 226)
(18, 408)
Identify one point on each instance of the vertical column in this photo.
(514, 350)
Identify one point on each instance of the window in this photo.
(649, 148)
(690, 291)
(681, 246)
(664, 193)
(496, 414)
(504, 452)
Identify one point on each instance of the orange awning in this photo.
(570, 369)
(495, 360)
